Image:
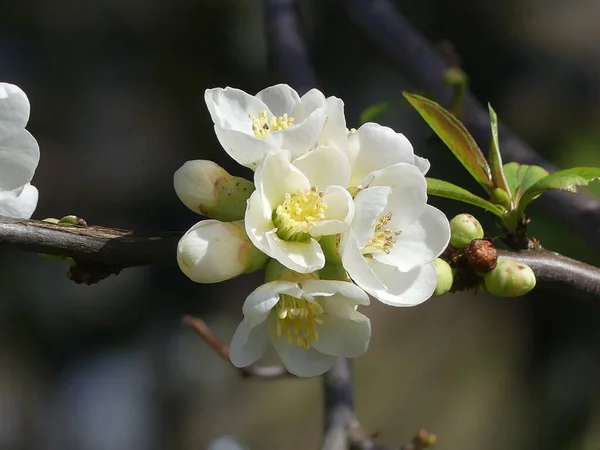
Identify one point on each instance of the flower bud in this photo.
(463, 229)
(510, 278)
(481, 255)
(213, 251)
(208, 189)
(445, 278)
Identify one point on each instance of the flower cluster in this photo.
(329, 206)
(19, 155)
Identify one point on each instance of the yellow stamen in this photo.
(297, 319)
(298, 213)
(262, 126)
(383, 238)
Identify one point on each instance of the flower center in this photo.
(383, 238)
(298, 214)
(297, 319)
(262, 127)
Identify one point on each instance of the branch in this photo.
(419, 62)
(265, 372)
(288, 57)
(91, 244)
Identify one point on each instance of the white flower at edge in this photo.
(248, 127)
(395, 236)
(297, 202)
(19, 155)
(309, 323)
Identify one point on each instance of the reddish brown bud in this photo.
(481, 255)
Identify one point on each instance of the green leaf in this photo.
(566, 180)
(456, 137)
(521, 177)
(445, 189)
(494, 157)
(373, 112)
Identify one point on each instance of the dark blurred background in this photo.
(116, 89)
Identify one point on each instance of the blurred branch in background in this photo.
(421, 64)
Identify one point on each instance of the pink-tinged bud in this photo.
(213, 251)
(208, 189)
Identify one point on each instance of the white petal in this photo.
(409, 192)
(14, 109)
(276, 176)
(369, 204)
(257, 221)
(344, 336)
(230, 108)
(325, 166)
(19, 205)
(299, 361)
(375, 147)
(423, 164)
(311, 101)
(356, 265)
(260, 302)
(280, 99)
(342, 292)
(334, 131)
(338, 214)
(303, 257)
(19, 156)
(303, 135)
(420, 242)
(248, 344)
(245, 149)
(403, 288)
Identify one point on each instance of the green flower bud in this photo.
(501, 197)
(208, 189)
(510, 278)
(445, 278)
(464, 228)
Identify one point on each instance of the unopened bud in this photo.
(445, 278)
(213, 251)
(481, 255)
(208, 189)
(463, 229)
(510, 278)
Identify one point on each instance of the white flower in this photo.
(309, 323)
(297, 202)
(213, 251)
(19, 155)
(395, 236)
(248, 127)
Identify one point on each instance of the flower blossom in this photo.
(248, 127)
(19, 155)
(295, 203)
(309, 323)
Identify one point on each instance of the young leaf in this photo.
(456, 137)
(566, 180)
(520, 177)
(375, 111)
(495, 158)
(444, 189)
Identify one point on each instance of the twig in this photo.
(420, 63)
(288, 57)
(265, 372)
(92, 244)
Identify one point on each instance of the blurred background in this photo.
(116, 89)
